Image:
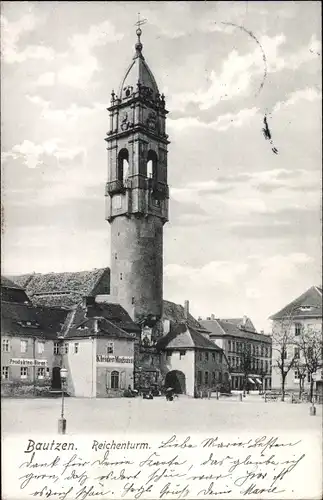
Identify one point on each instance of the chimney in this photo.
(212, 317)
(95, 325)
(244, 320)
(186, 309)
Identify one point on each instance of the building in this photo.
(247, 352)
(189, 361)
(301, 316)
(29, 350)
(137, 192)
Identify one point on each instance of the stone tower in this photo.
(137, 191)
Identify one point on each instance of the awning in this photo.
(250, 380)
(259, 381)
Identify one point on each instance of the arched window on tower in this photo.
(123, 165)
(152, 165)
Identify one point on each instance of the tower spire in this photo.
(138, 45)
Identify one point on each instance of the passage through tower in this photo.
(137, 191)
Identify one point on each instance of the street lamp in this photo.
(62, 420)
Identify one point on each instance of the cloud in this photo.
(213, 273)
(46, 79)
(32, 154)
(308, 94)
(12, 31)
(71, 113)
(221, 124)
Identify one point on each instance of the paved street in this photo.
(138, 415)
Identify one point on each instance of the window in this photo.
(200, 356)
(206, 378)
(168, 354)
(5, 345)
(229, 345)
(76, 347)
(132, 300)
(110, 348)
(23, 345)
(152, 164)
(261, 365)
(66, 348)
(41, 373)
(266, 366)
(23, 372)
(56, 347)
(120, 276)
(199, 377)
(296, 375)
(296, 352)
(123, 164)
(233, 346)
(181, 354)
(115, 380)
(206, 355)
(116, 201)
(213, 356)
(213, 377)
(5, 372)
(41, 347)
(298, 329)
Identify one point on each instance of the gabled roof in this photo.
(183, 336)
(307, 305)
(176, 314)
(245, 323)
(115, 313)
(220, 328)
(105, 328)
(7, 283)
(27, 320)
(64, 289)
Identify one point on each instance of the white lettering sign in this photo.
(28, 362)
(101, 358)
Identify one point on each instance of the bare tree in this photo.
(282, 340)
(301, 375)
(310, 344)
(246, 364)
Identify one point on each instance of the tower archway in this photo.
(123, 164)
(176, 379)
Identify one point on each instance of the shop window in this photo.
(23, 372)
(110, 348)
(76, 347)
(115, 380)
(23, 345)
(5, 372)
(56, 347)
(41, 373)
(41, 347)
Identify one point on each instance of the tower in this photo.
(137, 191)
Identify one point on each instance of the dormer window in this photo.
(306, 308)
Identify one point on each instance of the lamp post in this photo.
(62, 420)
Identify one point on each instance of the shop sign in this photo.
(101, 358)
(28, 362)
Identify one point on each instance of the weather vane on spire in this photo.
(139, 23)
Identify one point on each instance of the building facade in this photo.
(295, 325)
(247, 352)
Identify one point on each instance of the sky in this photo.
(244, 236)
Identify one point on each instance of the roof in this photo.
(44, 322)
(105, 329)
(7, 283)
(115, 313)
(64, 289)
(182, 336)
(176, 314)
(244, 322)
(307, 305)
(138, 71)
(221, 328)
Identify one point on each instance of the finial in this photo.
(139, 23)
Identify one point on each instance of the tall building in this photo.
(137, 191)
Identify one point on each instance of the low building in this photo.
(29, 348)
(301, 316)
(98, 351)
(248, 353)
(189, 361)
